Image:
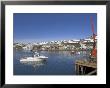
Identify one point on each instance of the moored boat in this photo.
(36, 57)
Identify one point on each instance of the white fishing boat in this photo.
(36, 57)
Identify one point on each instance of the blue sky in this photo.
(37, 27)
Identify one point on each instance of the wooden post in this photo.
(84, 70)
(78, 69)
(75, 69)
(81, 70)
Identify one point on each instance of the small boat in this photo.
(78, 53)
(36, 57)
(72, 52)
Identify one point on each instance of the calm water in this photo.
(58, 63)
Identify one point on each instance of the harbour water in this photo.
(58, 63)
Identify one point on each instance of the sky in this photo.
(39, 27)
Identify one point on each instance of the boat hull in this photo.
(32, 59)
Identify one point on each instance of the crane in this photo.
(94, 50)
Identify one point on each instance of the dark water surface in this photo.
(58, 63)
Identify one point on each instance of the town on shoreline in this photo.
(82, 44)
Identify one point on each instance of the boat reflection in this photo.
(35, 64)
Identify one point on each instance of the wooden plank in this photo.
(94, 71)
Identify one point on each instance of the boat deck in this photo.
(86, 63)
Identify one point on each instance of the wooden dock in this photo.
(83, 67)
